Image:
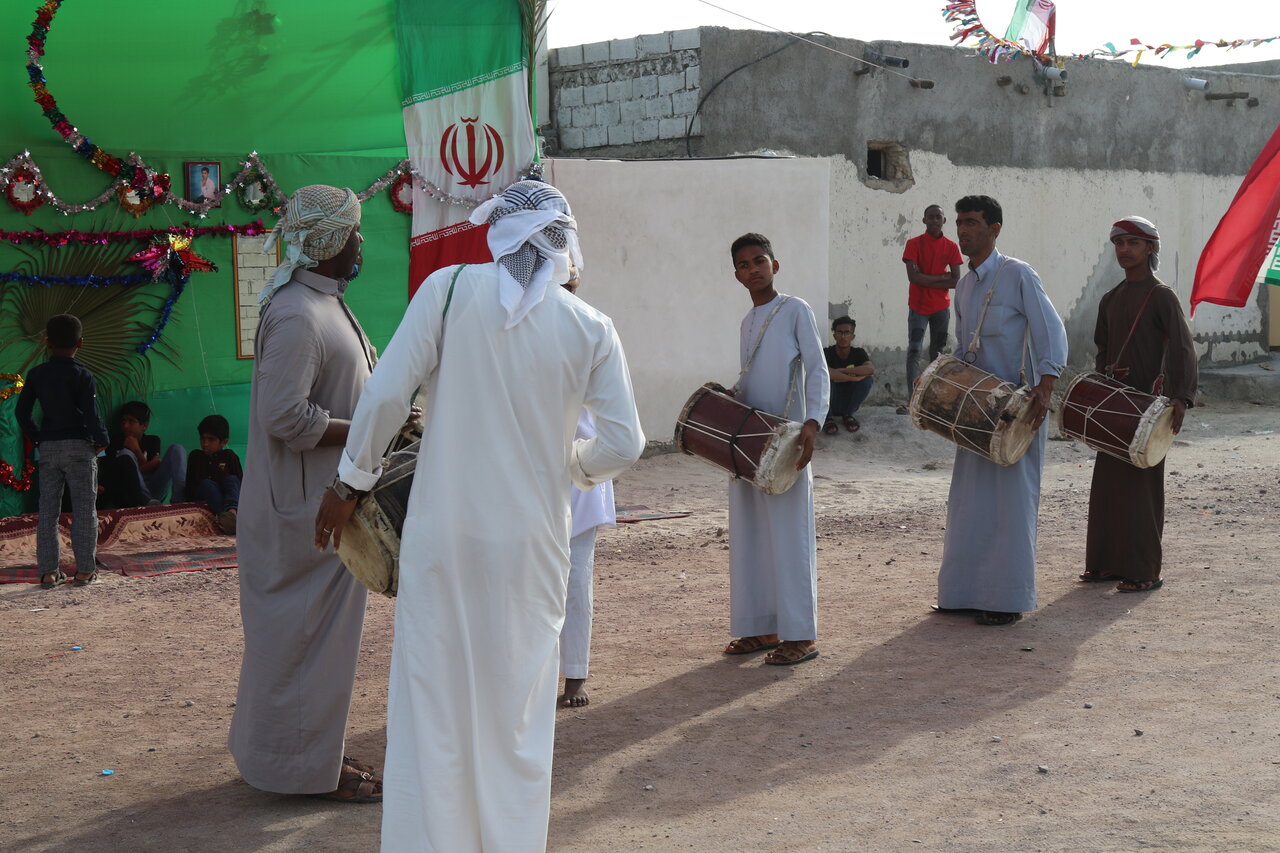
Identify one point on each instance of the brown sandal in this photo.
(792, 652)
(750, 645)
(354, 786)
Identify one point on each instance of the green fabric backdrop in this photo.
(311, 85)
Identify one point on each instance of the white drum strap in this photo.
(975, 342)
(756, 346)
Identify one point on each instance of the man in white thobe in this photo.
(1006, 325)
(507, 359)
(773, 556)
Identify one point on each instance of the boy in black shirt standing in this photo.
(70, 435)
(851, 371)
(214, 472)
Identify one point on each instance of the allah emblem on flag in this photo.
(466, 164)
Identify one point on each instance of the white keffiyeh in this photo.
(533, 237)
(316, 224)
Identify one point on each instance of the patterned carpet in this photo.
(135, 542)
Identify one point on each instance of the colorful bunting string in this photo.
(968, 25)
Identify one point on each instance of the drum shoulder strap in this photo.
(759, 339)
(448, 299)
(1114, 370)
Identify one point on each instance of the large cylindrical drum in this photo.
(370, 546)
(1115, 419)
(748, 443)
(976, 410)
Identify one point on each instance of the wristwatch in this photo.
(345, 492)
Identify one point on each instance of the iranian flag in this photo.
(467, 120)
(1033, 25)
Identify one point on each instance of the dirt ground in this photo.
(1101, 722)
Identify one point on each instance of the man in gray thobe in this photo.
(302, 611)
(1006, 325)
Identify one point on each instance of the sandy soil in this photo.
(1102, 722)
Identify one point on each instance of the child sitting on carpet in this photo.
(214, 473)
(133, 472)
(69, 437)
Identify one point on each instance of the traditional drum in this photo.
(748, 443)
(1115, 419)
(370, 546)
(977, 410)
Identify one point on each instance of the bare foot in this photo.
(575, 693)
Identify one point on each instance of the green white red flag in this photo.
(1033, 25)
(467, 120)
(1234, 255)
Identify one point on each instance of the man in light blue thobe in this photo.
(989, 554)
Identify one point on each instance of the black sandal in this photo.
(58, 578)
(1093, 577)
(997, 617)
(79, 581)
(851, 424)
(1139, 586)
(830, 427)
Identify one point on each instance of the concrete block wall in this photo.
(253, 270)
(625, 91)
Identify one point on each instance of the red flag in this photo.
(1231, 259)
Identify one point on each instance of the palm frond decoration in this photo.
(115, 318)
(533, 24)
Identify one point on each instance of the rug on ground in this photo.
(135, 542)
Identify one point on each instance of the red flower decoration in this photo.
(23, 191)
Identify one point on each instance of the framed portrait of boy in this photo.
(204, 180)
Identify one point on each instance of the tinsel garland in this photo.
(172, 261)
(28, 466)
(166, 312)
(252, 170)
(9, 390)
(58, 239)
(78, 280)
(82, 145)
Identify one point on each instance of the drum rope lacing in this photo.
(969, 400)
(731, 439)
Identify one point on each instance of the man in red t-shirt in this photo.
(933, 268)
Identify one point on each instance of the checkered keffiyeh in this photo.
(317, 222)
(533, 237)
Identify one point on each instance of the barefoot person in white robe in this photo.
(591, 510)
(507, 359)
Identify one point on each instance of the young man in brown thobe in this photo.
(1143, 339)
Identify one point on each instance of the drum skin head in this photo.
(975, 410)
(777, 472)
(1150, 418)
(775, 438)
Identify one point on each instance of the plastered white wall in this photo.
(1056, 220)
(655, 241)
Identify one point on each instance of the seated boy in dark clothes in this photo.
(851, 370)
(133, 472)
(214, 473)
